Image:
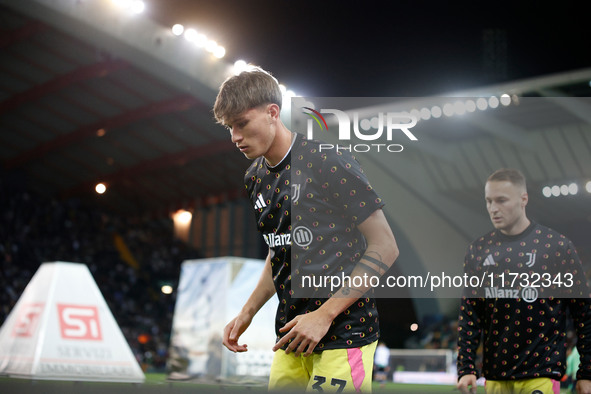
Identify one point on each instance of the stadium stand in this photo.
(35, 230)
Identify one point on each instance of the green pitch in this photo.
(157, 383)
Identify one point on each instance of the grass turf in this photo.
(157, 383)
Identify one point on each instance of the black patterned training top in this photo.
(307, 208)
(522, 322)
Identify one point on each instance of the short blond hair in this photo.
(508, 174)
(249, 89)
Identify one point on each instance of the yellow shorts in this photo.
(523, 386)
(329, 371)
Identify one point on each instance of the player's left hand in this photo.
(304, 332)
(583, 386)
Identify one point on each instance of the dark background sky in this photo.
(391, 48)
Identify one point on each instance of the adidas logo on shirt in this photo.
(488, 261)
(260, 202)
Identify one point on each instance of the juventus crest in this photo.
(295, 192)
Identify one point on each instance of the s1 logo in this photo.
(79, 322)
(27, 320)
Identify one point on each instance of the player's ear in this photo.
(524, 199)
(274, 111)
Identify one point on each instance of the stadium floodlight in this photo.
(481, 104)
(414, 327)
(219, 52)
(374, 122)
(470, 106)
(425, 114)
(190, 35)
(100, 188)
(183, 217)
(573, 188)
(493, 102)
(166, 289)
(459, 108)
(365, 124)
(505, 99)
(282, 88)
(178, 29)
(588, 187)
(564, 190)
(241, 65)
(448, 109)
(211, 45)
(200, 40)
(436, 111)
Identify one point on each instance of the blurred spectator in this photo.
(34, 230)
(572, 365)
(381, 363)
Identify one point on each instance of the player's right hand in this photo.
(467, 384)
(232, 333)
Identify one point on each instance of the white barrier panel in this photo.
(425, 377)
(413, 377)
(61, 328)
(211, 293)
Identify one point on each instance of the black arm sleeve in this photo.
(469, 335)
